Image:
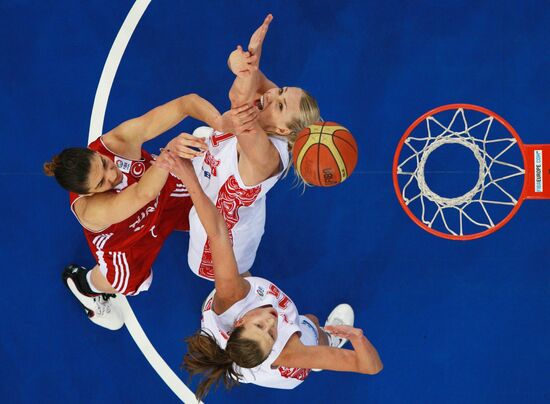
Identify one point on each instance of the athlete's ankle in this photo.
(90, 283)
(79, 275)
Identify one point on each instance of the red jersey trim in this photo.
(115, 153)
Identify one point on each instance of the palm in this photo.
(257, 38)
(344, 331)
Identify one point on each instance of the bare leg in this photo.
(323, 339)
(245, 274)
(100, 283)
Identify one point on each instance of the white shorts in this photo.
(310, 334)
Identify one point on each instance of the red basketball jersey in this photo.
(138, 238)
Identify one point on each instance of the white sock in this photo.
(90, 283)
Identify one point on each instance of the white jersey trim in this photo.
(78, 219)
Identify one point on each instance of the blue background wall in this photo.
(454, 322)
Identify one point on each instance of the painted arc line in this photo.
(111, 66)
(96, 129)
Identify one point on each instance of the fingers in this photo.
(165, 161)
(187, 146)
(245, 113)
(258, 36)
(267, 21)
(169, 161)
(249, 116)
(244, 118)
(252, 59)
(344, 331)
(237, 110)
(242, 63)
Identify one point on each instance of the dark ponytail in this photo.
(204, 356)
(71, 168)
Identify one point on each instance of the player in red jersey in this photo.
(125, 204)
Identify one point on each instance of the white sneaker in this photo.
(341, 315)
(102, 310)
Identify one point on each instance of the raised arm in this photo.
(250, 82)
(102, 209)
(230, 286)
(134, 132)
(362, 359)
(259, 159)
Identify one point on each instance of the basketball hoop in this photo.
(509, 172)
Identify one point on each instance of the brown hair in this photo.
(71, 168)
(204, 356)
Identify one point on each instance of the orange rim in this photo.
(396, 164)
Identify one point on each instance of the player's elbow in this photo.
(372, 369)
(188, 99)
(146, 195)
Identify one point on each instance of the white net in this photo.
(480, 208)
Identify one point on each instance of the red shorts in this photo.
(129, 270)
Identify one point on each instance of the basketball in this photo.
(324, 154)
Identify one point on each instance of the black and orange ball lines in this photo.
(324, 154)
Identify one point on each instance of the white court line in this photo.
(96, 129)
(111, 66)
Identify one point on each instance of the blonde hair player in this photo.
(251, 330)
(242, 165)
(126, 206)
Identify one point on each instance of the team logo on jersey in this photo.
(294, 373)
(260, 291)
(285, 319)
(212, 162)
(138, 168)
(123, 164)
(230, 198)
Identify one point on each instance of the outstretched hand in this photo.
(257, 39)
(344, 331)
(242, 63)
(244, 118)
(180, 167)
(187, 146)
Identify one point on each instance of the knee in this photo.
(313, 318)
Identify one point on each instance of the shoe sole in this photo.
(69, 283)
(72, 287)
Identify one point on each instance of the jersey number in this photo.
(217, 139)
(283, 299)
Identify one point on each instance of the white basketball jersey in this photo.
(242, 207)
(262, 292)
